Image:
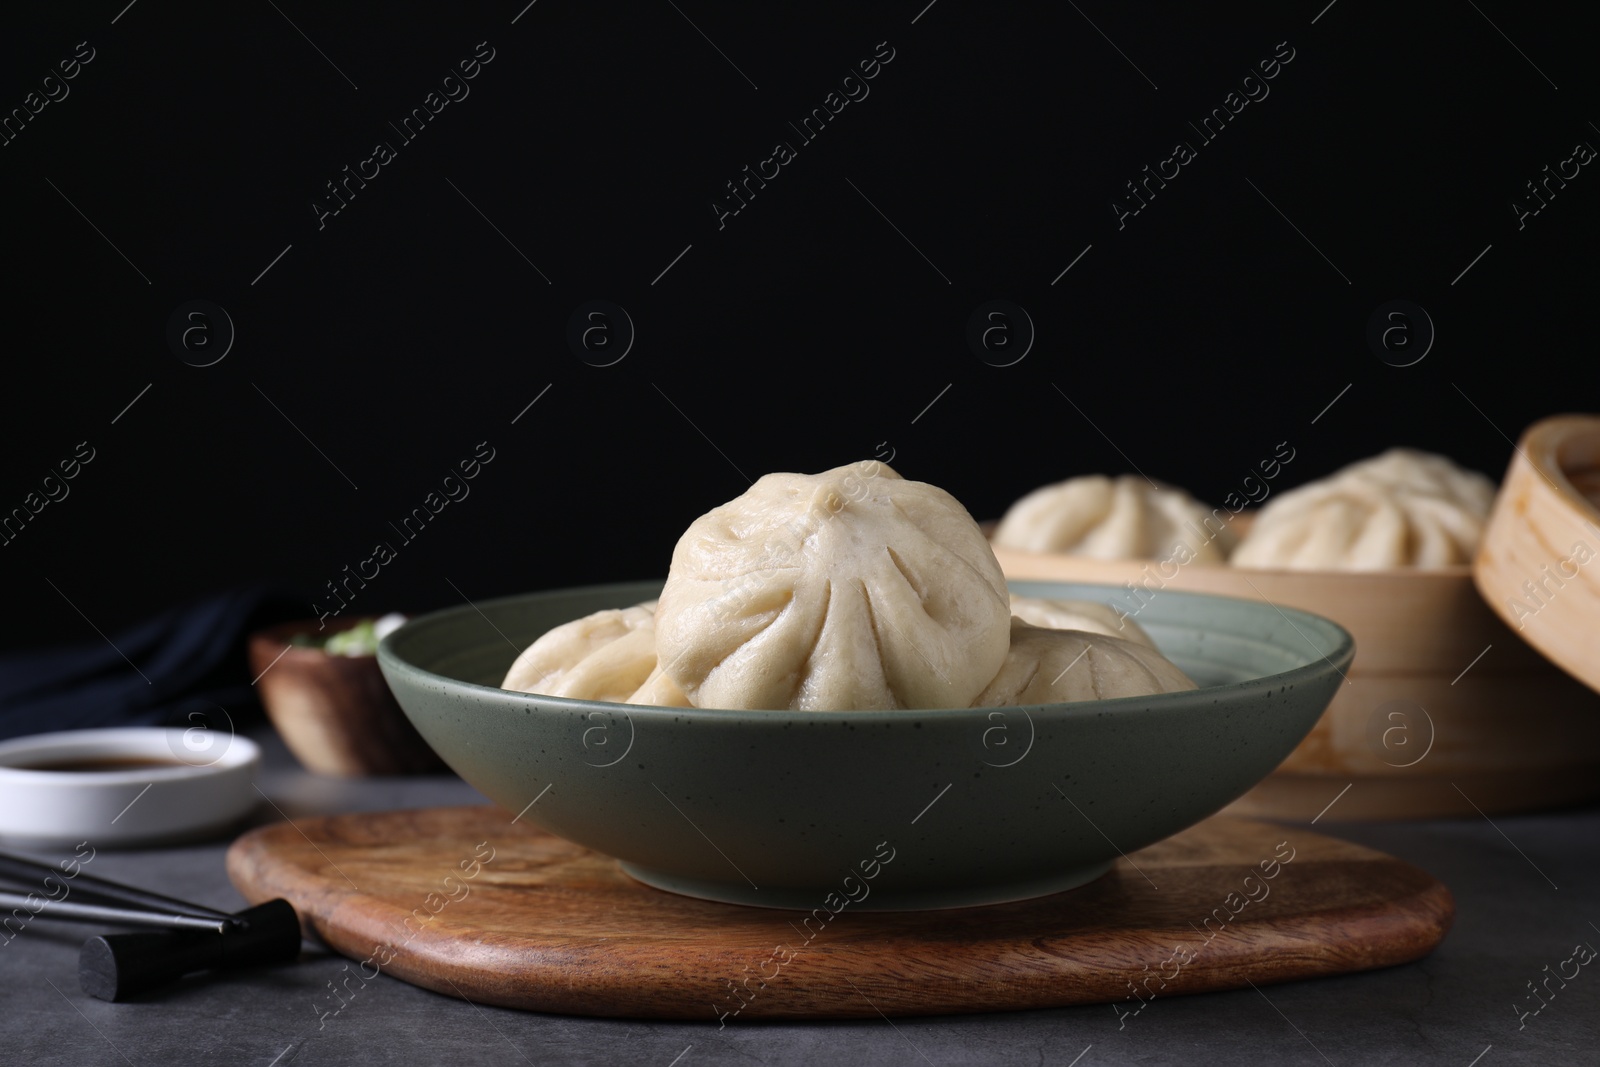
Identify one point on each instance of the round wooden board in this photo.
(467, 902)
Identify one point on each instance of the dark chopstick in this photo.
(25, 870)
(80, 912)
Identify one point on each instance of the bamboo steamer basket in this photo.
(1445, 711)
(1539, 565)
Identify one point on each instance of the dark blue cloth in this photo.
(189, 667)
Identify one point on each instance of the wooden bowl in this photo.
(1539, 564)
(1444, 709)
(336, 713)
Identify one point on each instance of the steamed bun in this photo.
(851, 589)
(1087, 615)
(609, 655)
(1116, 518)
(1401, 509)
(660, 691)
(1056, 666)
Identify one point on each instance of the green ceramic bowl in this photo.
(870, 809)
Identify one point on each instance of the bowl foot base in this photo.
(881, 895)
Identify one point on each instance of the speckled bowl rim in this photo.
(1154, 704)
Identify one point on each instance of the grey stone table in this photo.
(1527, 890)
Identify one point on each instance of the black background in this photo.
(806, 333)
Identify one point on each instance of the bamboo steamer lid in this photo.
(1538, 566)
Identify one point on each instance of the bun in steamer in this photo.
(1126, 517)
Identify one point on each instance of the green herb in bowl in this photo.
(360, 640)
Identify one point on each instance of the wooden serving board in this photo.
(467, 902)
